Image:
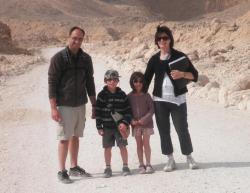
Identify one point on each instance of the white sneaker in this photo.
(191, 163)
(170, 166)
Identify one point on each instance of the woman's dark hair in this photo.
(166, 30)
(137, 76)
(74, 28)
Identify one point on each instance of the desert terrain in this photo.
(120, 35)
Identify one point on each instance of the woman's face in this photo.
(163, 41)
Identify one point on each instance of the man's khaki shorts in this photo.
(72, 123)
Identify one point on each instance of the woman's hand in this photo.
(176, 74)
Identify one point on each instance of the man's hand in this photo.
(55, 115)
(101, 132)
(93, 112)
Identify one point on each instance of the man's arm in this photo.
(93, 103)
(53, 77)
(90, 87)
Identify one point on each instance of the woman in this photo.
(169, 95)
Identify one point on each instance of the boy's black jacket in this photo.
(108, 102)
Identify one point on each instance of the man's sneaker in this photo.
(191, 163)
(107, 172)
(64, 177)
(149, 169)
(125, 171)
(170, 166)
(142, 169)
(78, 172)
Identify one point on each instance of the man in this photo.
(70, 81)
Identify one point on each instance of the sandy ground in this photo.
(28, 146)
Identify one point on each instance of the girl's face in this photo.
(112, 84)
(138, 85)
(163, 41)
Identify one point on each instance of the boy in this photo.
(112, 100)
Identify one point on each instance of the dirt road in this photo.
(28, 146)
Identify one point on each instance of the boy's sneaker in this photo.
(142, 169)
(191, 163)
(78, 172)
(64, 177)
(170, 166)
(107, 172)
(125, 171)
(149, 169)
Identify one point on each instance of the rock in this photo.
(148, 54)
(5, 37)
(242, 83)
(2, 58)
(138, 52)
(194, 56)
(223, 97)
(234, 27)
(234, 98)
(243, 105)
(213, 94)
(211, 85)
(248, 105)
(216, 26)
(202, 80)
(220, 59)
(230, 47)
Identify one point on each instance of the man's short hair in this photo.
(74, 28)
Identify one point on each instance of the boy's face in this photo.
(112, 84)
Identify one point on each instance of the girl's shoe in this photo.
(142, 169)
(149, 169)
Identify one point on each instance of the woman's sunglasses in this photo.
(164, 38)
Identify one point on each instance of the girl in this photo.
(142, 122)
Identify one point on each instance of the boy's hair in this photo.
(111, 74)
(166, 30)
(135, 76)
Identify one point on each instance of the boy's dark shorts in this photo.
(112, 135)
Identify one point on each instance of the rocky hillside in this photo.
(51, 10)
(218, 47)
(185, 9)
(214, 34)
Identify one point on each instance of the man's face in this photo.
(75, 40)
